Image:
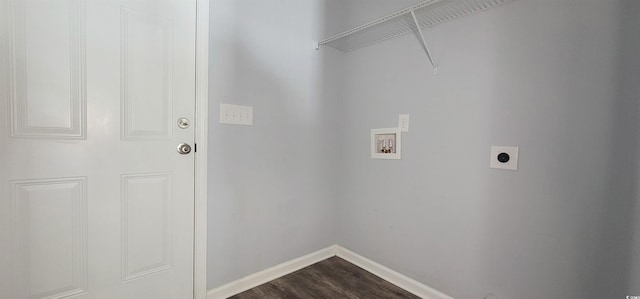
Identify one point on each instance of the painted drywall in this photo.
(539, 74)
(619, 258)
(271, 195)
(557, 78)
(627, 180)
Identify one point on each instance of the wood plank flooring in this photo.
(332, 278)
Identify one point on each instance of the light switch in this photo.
(236, 114)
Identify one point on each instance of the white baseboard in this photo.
(264, 276)
(391, 276)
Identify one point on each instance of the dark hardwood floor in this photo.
(332, 278)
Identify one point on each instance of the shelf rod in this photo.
(424, 43)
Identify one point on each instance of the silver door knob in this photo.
(184, 148)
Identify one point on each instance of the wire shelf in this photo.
(427, 14)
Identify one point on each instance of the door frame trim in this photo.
(201, 137)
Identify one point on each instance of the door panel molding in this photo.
(51, 234)
(32, 84)
(147, 75)
(146, 247)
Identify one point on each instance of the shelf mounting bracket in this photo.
(424, 43)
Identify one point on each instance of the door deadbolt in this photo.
(183, 123)
(184, 148)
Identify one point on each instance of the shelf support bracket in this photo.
(424, 43)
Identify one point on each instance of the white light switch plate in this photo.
(236, 114)
(403, 122)
(502, 152)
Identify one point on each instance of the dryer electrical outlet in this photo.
(504, 157)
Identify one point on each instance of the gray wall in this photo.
(557, 78)
(271, 185)
(620, 257)
(627, 180)
(541, 75)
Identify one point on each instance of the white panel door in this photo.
(96, 202)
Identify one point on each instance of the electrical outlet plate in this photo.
(236, 115)
(504, 157)
(403, 122)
